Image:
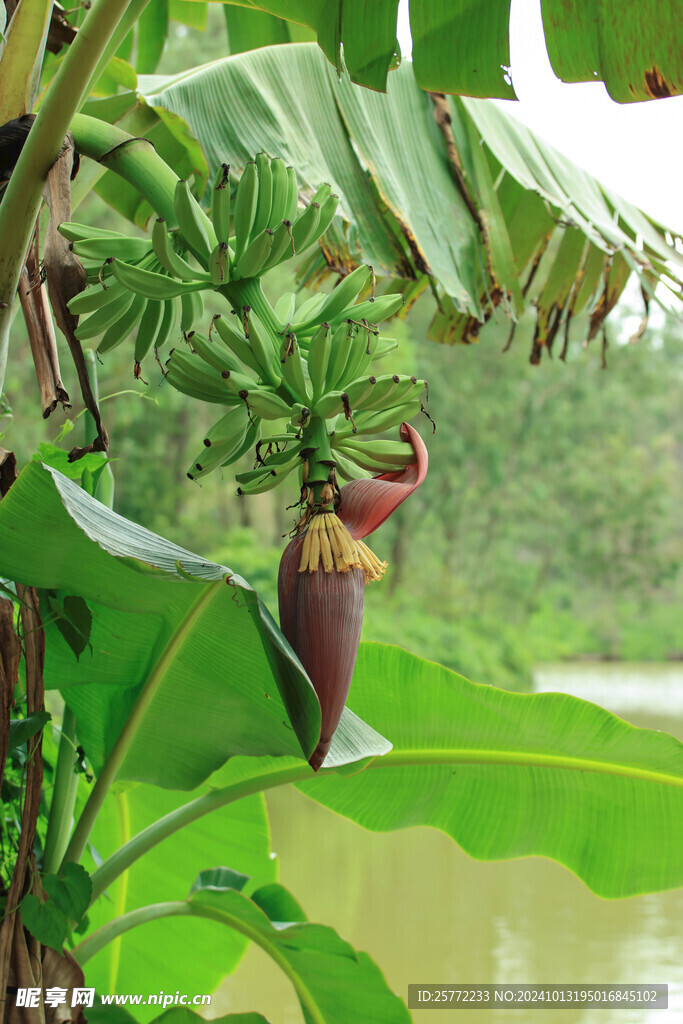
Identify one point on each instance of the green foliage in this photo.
(68, 894)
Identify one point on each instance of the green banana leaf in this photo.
(504, 774)
(219, 678)
(334, 983)
(460, 47)
(487, 247)
(143, 960)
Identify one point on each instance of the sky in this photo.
(634, 148)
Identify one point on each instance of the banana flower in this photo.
(322, 579)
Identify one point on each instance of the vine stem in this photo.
(118, 752)
(21, 202)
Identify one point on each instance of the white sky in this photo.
(634, 148)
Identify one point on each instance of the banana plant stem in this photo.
(21, 202)
(316, 437)
(127, 734)
(63, 796)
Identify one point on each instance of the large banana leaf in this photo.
(144, 960)
(505, 774)
(493, 217)
(461, 47)
(188, 635)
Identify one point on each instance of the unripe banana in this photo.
(318, 358)
(255, 256)
(359, 391)
(278, 205)
(239, 383)
(229, 428)
(263, 346)
(104, 317)
(284, 309)
(261, 480)
(305, 227)
(309, 309)
(292, 195)
(170, 260)
(196, 228)
(187, 373)
(274, 460)
(220, 203)
(383, 392)
(76, 232)
(120, 330)
(373, 310)
(150, 284)
(348, 470)
(266, 404)
(265, 194)
(359, 357)
(246, 200)
(148, 328)
(339, 354)
(327, 212)
(385, 346)
(214, 354)
(170, 323)
(331, 404)
(378, 422)
(378, 456)
(192, 310)
(235, 340)
(300, 415)
(211, 458)
(219, 264)
(125, 248)
(343, 296)
(95, 298)
(293, 372)
(282, 245)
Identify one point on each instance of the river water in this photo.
(428, 913)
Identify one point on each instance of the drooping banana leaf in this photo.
(184, 641)
(461, 47)
(450, 191)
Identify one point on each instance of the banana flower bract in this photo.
(322, 579)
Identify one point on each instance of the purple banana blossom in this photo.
(321, 601)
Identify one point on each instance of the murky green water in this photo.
(427, 913)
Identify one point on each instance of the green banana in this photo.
(95, 298)
(169, 259)
(378, 422)
(347, 469)
(196, 228)
(267, 404)
(373, 310)
(331, 404)
(383, 392)
(255, 256)
(309, 309)
(124, 248)
(293, 370)
(338, 300)
(265, 194)
(150, 284)
(192, 309)
(170, 321)
(322, 194)
(327, 212)
(236, 342)
(148, 328)
(219, 264)
(229, 428)
(359, 357)
(220, 203)
(215, 354)
(76, 232)
(318, 358)
(187, 373)
(239, 383)
(263, 347)
(385, 346)
(340, 347)
(292, 195)
(278, 204)
(211, 458)
(359, 391)
(264, 480)
(104, 317)
(300, 415)
(305, 226)
(117, 332)
(382, 452)
(284, 308)
(282, 245)
(246, 201)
